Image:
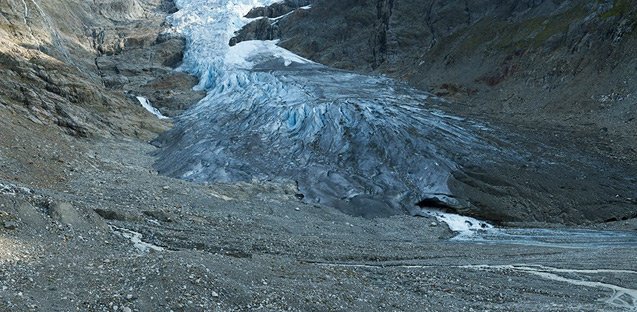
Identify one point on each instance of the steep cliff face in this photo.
(74, 68)
(70, 62)
(552, 64)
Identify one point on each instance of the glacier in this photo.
(365, 144)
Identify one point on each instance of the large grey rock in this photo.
(29, 215)
(65, 213)
(85, 219)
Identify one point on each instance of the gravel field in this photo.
(122, 238)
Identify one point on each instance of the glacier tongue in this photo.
(365, 144)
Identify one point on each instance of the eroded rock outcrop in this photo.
(72, 63)
(270, 22)
(70, 71)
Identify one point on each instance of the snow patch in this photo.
(247, 54)
(136, 239)
(146, 104)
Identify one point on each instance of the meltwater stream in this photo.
(365, 144)
(471, 230)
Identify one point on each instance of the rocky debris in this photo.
(262, 251)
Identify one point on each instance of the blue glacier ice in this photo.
(366, 144)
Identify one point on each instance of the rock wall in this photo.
(69, 74)
(78, 64)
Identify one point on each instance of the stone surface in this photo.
(65, 213)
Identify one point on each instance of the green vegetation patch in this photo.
(499, 34)
(622, 9)
(536, 32)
